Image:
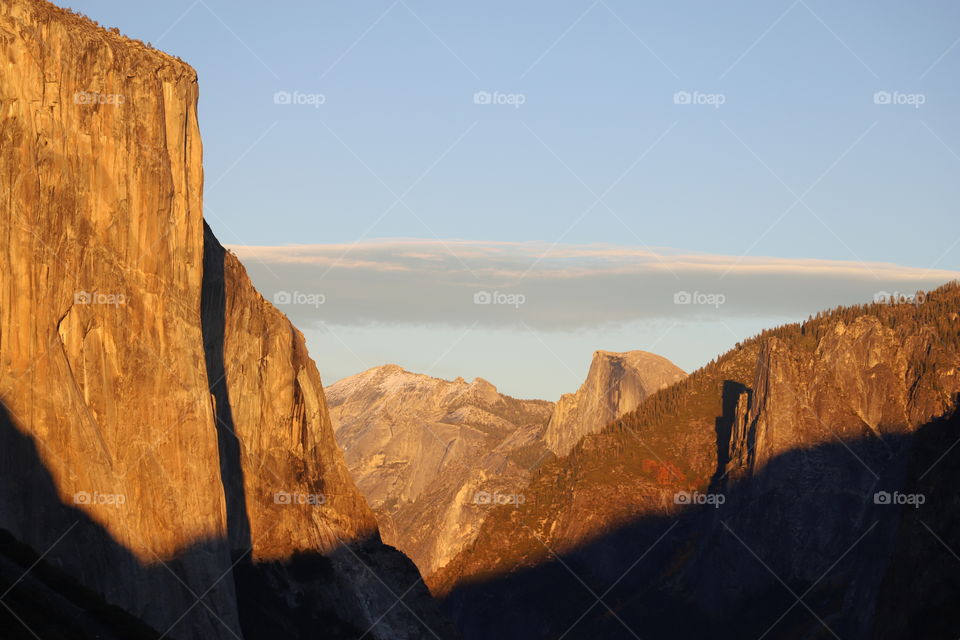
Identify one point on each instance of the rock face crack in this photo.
(213, 303)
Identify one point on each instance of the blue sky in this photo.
(798, 162)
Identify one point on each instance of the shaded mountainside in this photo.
(167, 447)
(726, 497)
(433, 456)
(616, 384)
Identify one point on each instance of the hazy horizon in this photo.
(410, 302)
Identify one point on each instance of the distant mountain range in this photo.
(433, 457)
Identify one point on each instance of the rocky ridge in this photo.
(433, 456)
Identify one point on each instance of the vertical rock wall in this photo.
(164, 437)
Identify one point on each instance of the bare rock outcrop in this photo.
(433, 456)
(616, 384)
(859, 382)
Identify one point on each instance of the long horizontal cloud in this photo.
(561, 287)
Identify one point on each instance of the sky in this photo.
(499, 189)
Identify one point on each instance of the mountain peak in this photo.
(636, 357)
(616, 384)
(387, 369)
(388, 378)
(417, 445)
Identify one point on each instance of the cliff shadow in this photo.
(62, 574)
(309, 594)
(723, 425)
(918, 594)
(213, 321)
(308, 591)
(804, 548)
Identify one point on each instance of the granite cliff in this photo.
(616, 384)
(434, 456)
(167, 450)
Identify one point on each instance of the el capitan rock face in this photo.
(616, 384)
(428, 452)
(754, 479)
(161, 421)
(101, 349)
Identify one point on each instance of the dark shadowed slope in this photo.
(797, 430)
